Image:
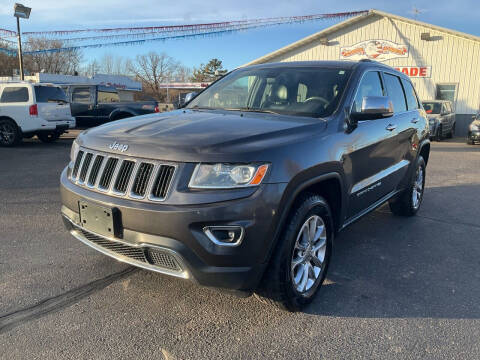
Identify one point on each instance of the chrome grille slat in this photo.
(123, 176)
(97, 164)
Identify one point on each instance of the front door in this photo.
(83, 105)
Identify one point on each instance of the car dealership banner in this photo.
(416, 71)
(379, 50)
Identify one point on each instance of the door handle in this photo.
(414, 120)
(391, 127)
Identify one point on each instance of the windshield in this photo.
(302, 91)
(432, 107)
(49, 93)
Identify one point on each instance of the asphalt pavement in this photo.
(397, 288)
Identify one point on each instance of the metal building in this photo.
(443, 63)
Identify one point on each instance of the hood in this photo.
(199, 135)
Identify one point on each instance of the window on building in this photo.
(447, 92)
(14, 94)
(81, 95)
(107, 97)
(412, 100)
(395, 92)
(370, 85)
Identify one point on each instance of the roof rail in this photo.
(366, 60)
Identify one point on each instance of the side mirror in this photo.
(374, 107)
(189, 97)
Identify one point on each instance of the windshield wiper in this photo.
(246, 109)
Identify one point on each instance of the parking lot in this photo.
(397, 288)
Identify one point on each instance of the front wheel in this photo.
(439, 134)
(408, 201)
(300, 261)
(451, 134)
(48, 137)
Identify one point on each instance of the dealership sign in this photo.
(416, 71)
(379, 50)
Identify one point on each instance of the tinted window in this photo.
(302, 91)
(14, 94)
(432, 107)
(412, 101)
(81, 95)
(107, 97)
(370, 85)
(395, 92)
(49, 93)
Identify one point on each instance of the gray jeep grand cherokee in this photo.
(245, 187)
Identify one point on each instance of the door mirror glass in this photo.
(374, 107)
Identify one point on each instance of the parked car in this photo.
(28, 109)
(441, 117)
(246, 187)
(93, 105)
(474, 130)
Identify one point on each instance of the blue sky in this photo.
(233, 49)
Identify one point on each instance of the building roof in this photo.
(371, 13)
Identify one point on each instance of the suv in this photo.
(441, 117)
(247, 185)
(33, 109)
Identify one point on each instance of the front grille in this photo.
(108, 173)
(85, 166)
(141, 180)
(123, 176)
(157, 257)
(162, 182)
(78, 160)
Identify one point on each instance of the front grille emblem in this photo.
(118, 147)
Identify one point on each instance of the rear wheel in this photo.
(299, 264)
(10, 134)
(408, 202)
(48, 137)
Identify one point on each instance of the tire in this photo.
(48, 137)
(10, 134)
(295, 256)
(408, 201)
(439, 134)
(451, 134)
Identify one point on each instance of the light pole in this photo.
(23, 12)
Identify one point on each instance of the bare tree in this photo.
(8, 63)
(153, 69)
(56, 62)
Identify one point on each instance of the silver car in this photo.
(441, 118)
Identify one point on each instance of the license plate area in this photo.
(100, 220)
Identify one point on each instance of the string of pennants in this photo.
(139, 35)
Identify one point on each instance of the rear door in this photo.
(15, 101)
(83, 105)
(409, 123)
(52, 103)
(374, 147)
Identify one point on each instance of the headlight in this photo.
(226, 176)
(74, 150)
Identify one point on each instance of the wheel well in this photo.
(121, 115)
(331, 190)
(425, 152)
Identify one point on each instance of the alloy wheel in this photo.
(7, 133)
(309, 254)
(417, 188)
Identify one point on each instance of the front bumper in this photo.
(177, 231)
(473, 135)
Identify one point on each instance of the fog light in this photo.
(228, 235)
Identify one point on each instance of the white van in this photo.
(28, 109)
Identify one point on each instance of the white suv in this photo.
(28, 109)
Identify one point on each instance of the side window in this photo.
(370, 85)
(395, 92)
(301, 93)
(412, 101)
(14, 95)
(107, 97)
(449, 107)
(81, 95)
